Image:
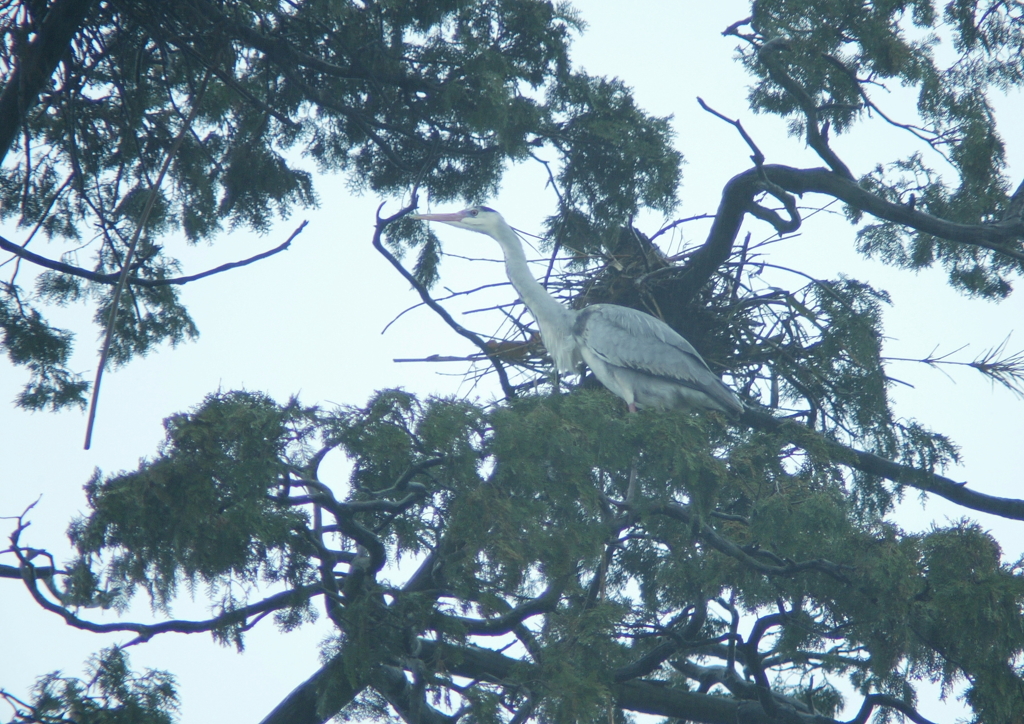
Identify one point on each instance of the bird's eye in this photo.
(474, 212)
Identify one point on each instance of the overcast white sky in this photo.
(308, 321)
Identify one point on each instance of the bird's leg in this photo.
(632, 407)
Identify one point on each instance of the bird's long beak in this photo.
(457, 216)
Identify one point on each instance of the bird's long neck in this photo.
(554, 319)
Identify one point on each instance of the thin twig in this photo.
(441, 358)
(561, 204)
(677, 222)
(451, 295)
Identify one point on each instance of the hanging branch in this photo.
(382, 223)
(122, 282)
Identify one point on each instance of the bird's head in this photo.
(481, 219)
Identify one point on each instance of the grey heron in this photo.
(635, 355)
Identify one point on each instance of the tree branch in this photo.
(664, 651)
(144, 632)
(29, 574)
(42, 261)
(782, 226)
(36, 64)
(806, 438)
(512, 618)
(757, 157)
(708, 676)
(737, 200)
(996, 236)
(648, 662)
(815, 139)
(317, 699)
(37, 571)
(737, 195)
(321, 696)
(874, 700)
(122, 280)
(382, 223)
(649, 697)
(724, 545)
(408, 699)
(304, 705)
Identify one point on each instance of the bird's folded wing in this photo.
(631, 339)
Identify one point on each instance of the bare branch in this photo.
(223, 267)
(382, 224)
(757, 157)
(677, 222)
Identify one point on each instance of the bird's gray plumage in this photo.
(646, 362)
(636, 356)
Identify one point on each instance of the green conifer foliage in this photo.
(547, 556)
